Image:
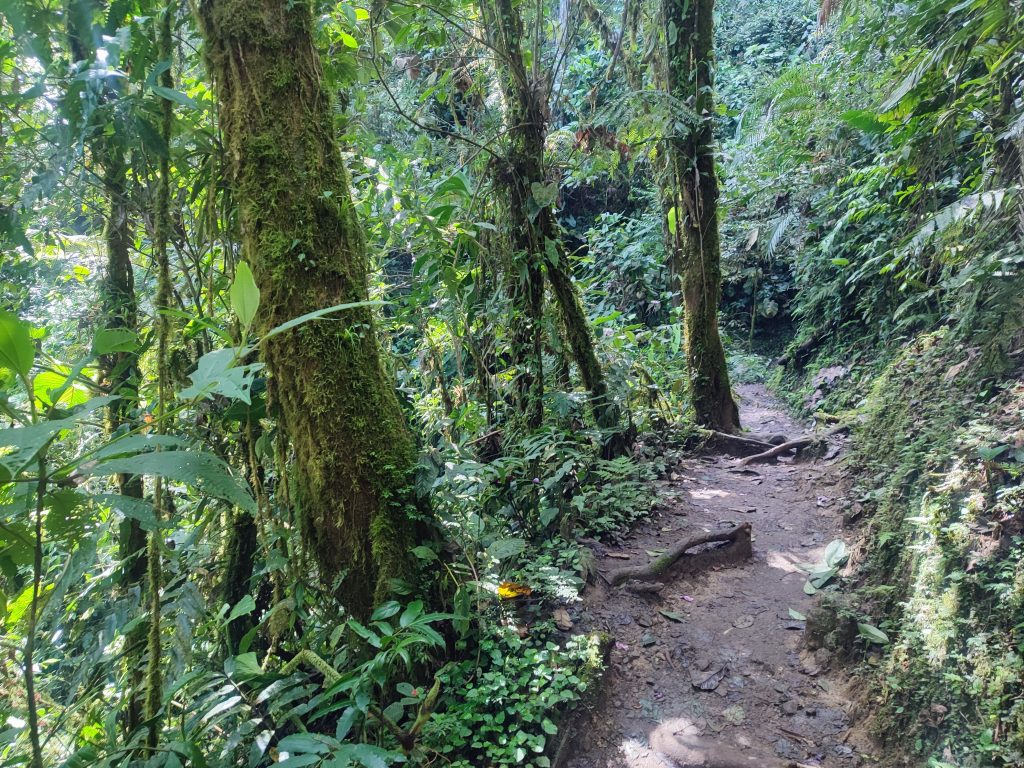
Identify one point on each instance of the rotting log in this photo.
(739, 539)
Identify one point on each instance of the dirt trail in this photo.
(774, 704)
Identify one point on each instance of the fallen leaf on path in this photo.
(734, 714)
(672, 616)
(619, 555)
(743, 622)
(795, 614)
(509, 590)
(708, 681)
(648, 639)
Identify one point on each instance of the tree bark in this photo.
(689, 30)
(534, 229)
(118, 371)
(354, 456)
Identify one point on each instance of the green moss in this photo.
(352, 451)
(936, 574)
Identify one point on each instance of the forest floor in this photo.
(769, 702)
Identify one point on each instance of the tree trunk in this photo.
(354, 456)
(118, 371)
(689, 30)
(534, 230)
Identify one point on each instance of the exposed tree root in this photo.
(792, 445)
(797, 444)
(739, 537)
(734, 445)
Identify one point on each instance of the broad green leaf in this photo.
(502, 549)
(864, 120)
(835, 554)
(133, 444)
(370, 756)
(457, 184)
(873, 634)
(243, 607)
(19, 445)
(411, 613)
(301, 743)
(176, 96)
(544, 195)
(106, 341)
(83, 758)
(345, 723)
(205, 471)
(17, 352)
(386, 610)
(245, 666)
(217, 374)
(424, 553)
(68, 513)
(245, 296)
(52, 388)
(298, 761)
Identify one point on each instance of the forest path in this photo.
(775, 704)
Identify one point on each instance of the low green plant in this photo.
(510, 698)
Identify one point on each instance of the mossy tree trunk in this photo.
(120, 375)
(353, 453)
(689, 33)
(118, 371)
(534, 230)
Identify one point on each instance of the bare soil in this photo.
(712, 671)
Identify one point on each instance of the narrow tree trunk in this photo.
(120, 374)
(354, 456)
(119, 371)
(535, 236)
(689, 30)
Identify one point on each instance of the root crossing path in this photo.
(712, 671)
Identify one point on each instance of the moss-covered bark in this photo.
(535, 237)
(353, 453)
(689, 32)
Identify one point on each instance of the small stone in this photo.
(787, 749)
(791, 707)
(645, 621)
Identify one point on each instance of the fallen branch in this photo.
(739, 536)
